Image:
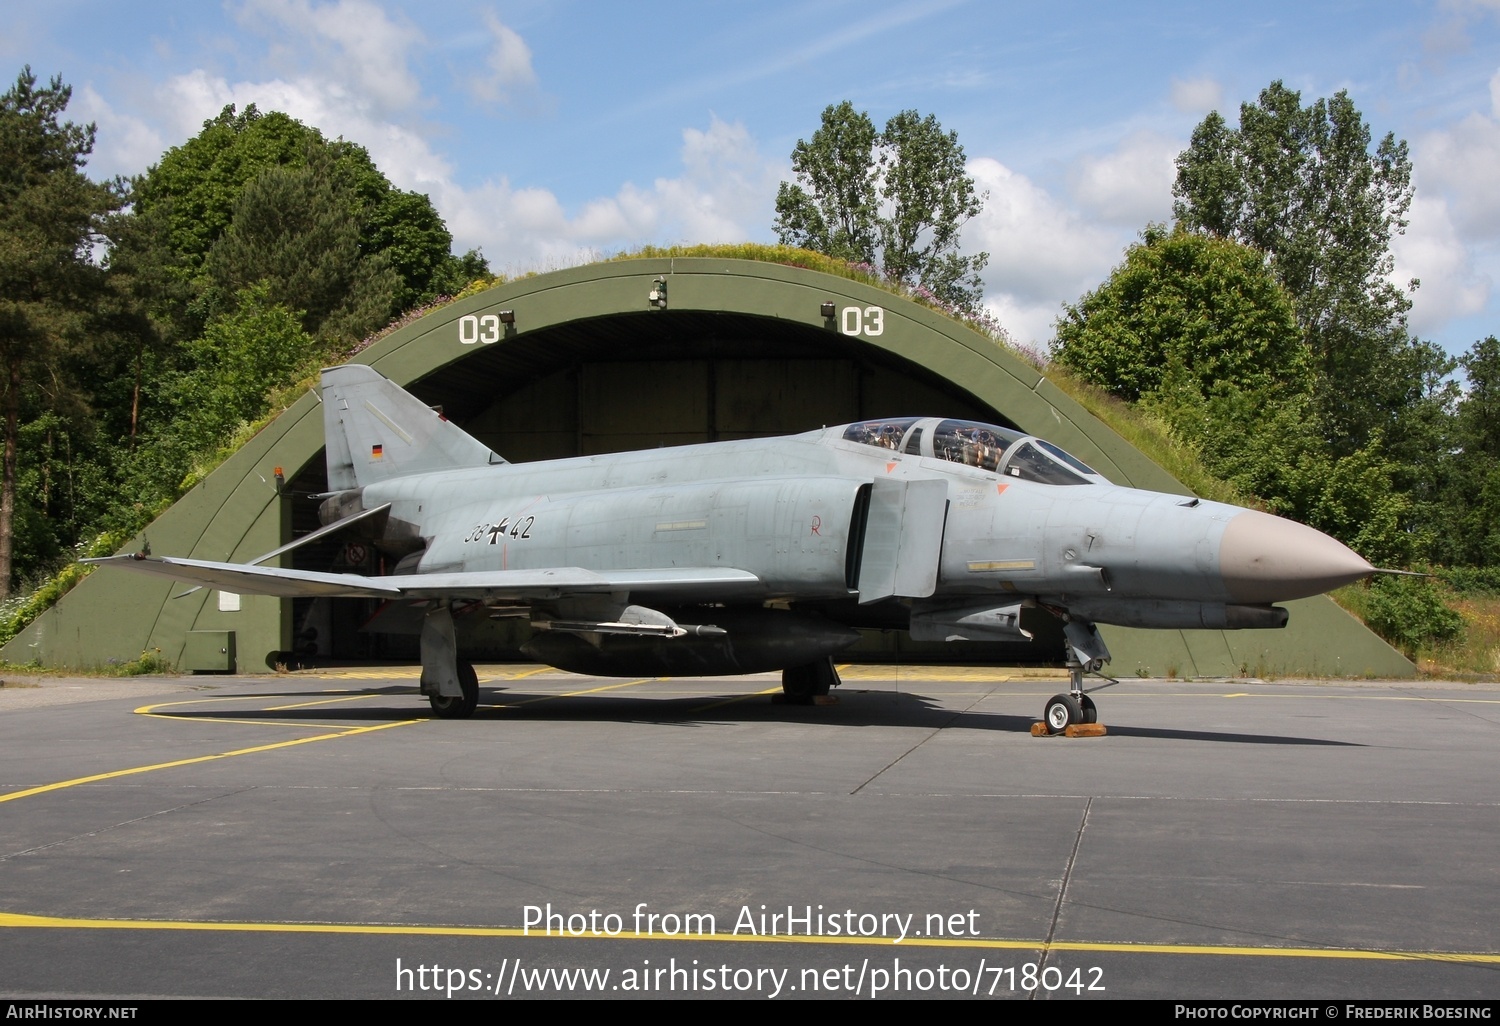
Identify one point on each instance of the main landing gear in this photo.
(805, 684)
(459, 708)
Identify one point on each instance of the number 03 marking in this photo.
(868, 322)
(484, 329)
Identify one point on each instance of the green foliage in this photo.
(791, 256)
(294, 231)
(1284, 363)
(50, 216)
(194, 187)
(187, 205)
(1471, 580)
(458, 273)
(1183, 304)
(1144, 429)
(1266, 444)
(1198, 332)
(149, 662)
(897, 199)
(239, 359)
(836, 214)
(1479, 423)
(1302, 185)
(137, 378)
(1409, 612)
(930, 199)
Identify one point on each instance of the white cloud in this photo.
(727, 188)
(1131, 185)
(1197, 95)
(123, 145)
(1042, 254)
(1431, 251)
(725, 191)
(403, 155)
(1460, 163)
(510, 78)
(353, 41)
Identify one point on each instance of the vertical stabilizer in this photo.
(376, 430)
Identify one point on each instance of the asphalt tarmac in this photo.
(320, 835)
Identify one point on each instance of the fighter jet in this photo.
(765, 554)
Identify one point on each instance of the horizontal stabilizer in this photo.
(306, 539)
(487, 585)
(255, 580)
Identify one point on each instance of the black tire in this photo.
(1061, 712)
(1090, 711)
(824, 676)
(800, 683)
(446, 707)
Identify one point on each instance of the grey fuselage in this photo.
(789, 511)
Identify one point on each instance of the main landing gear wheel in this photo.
(802, 685)
(449, 708)
(1064, 710)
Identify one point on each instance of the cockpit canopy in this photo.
(985, 446)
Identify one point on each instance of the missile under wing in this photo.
(766, 554)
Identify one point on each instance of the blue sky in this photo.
(549, 132)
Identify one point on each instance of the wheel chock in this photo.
(1039, 729)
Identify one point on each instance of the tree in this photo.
(1184, 308)
(897, 199)
(930, 198)
(1468, 501)
(1303, 185)
(1198, 331)
(187, 203)
(837, 212)
(50, 216)
(294, 230)
(240, 358)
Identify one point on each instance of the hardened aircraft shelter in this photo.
(624, 355)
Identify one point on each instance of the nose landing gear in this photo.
(1074, 713)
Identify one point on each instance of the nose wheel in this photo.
(1062, 712)
(1074, 709)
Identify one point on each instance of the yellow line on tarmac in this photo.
(526, 673)
(371, 674)
(323, 701)
(150, 710)
(737, 698)
(185, 718)
(16, 920)
(575, 694)
(404, 673)
(94, 778)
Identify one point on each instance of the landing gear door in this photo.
(903, 540)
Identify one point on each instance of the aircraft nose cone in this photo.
(1268, 559)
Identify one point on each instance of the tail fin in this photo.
(376, 430)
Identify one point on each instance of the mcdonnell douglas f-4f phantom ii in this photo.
(763, 554)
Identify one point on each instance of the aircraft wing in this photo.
(515, 585)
